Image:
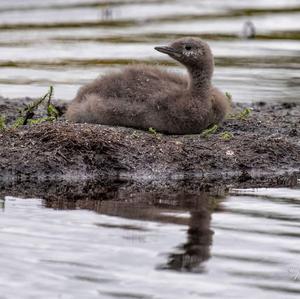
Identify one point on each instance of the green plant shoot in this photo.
(211, 130)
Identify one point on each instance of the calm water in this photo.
(242, 245)
(141, 246)
(66, 43)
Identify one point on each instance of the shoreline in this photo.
(260, 150)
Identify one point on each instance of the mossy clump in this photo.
(2, 122)
(226, 136)
(152, 131)
(28, 115)
(244, 114)
(209, 131)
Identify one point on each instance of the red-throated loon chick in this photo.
(142, 96)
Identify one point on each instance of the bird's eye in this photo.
(188, 48)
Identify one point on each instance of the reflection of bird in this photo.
(143, 96)
(160, 206)
(190, 255)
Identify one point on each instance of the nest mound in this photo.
(262, 149)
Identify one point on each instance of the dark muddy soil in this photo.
(264, 150)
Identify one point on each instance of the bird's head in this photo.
(191, 52)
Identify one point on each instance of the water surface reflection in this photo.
(68, 43)
(122, 241)
(190, 209)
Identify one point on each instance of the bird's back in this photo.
(139, 83)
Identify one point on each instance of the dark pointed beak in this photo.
(167, 50)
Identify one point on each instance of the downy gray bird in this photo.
(143, 97)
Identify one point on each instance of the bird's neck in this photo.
(199, 81)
